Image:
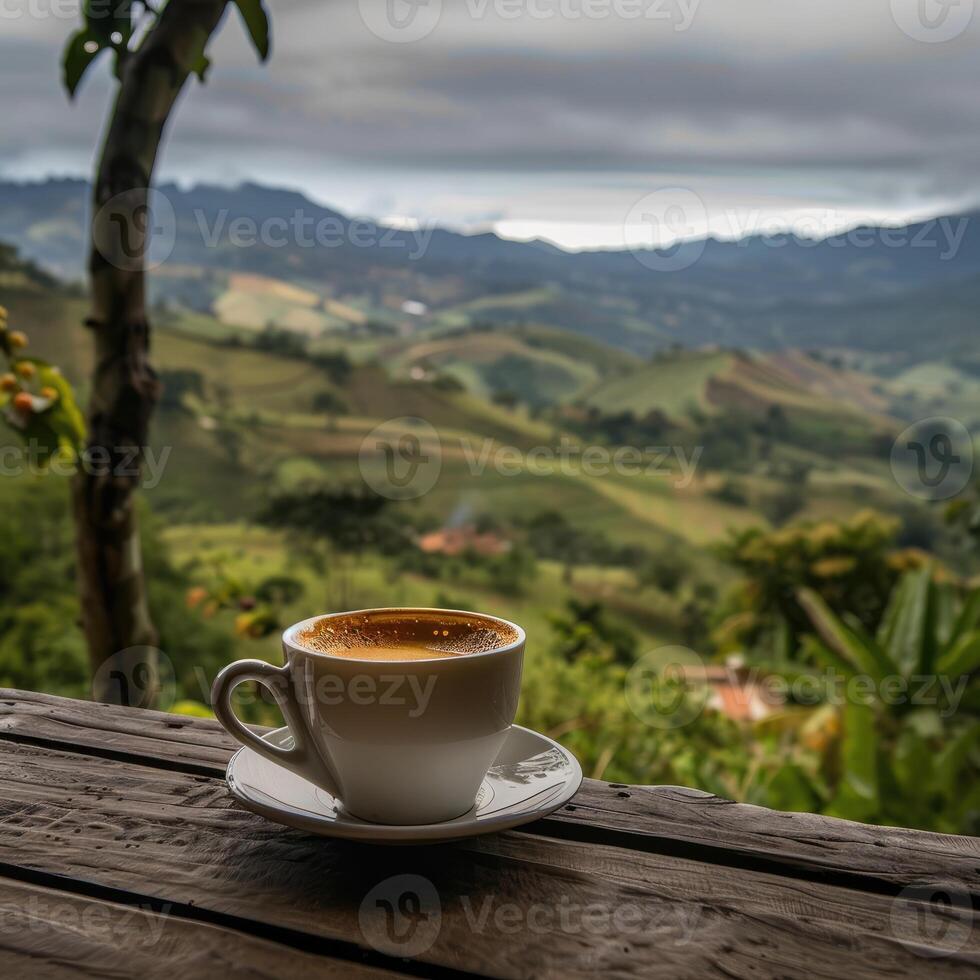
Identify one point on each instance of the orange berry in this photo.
(24, 403)
(17, 339)
(26, 370)
(50, 393)
(196, 596)
(8, 382)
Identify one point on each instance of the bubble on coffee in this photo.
(405, 635)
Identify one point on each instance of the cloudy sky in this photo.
(558, 118)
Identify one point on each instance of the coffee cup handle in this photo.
(301, 758)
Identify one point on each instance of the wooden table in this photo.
(123, 855)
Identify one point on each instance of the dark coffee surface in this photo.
(405, 635)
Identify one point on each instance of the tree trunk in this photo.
(118, 629)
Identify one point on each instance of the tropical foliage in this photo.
(852, 564)
(37, 402)
(907, 736)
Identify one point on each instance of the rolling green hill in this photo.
(491, 363)
(798, 391)
(673, 384)
(242, 421)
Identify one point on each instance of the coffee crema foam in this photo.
(400, 635)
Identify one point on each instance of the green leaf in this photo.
(953, 758)
(197, 61)
(193, 709)
(925, 721)
(911, 643)
(791, 788)
(969, 617)
(64, 417)
(201, 66)
(863, 656)
(256, 23)
(860, 740)
(56, 425)
(962, 657)
(857, 794)
(76, 59)
(889, 621)
(911, 761)
(813, 648)
(104, 18)
(944, 612)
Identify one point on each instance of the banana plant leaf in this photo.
(949, 775)
(969, 617)
(863, 656)
(961, 657)
(857, 792)
(911, 640)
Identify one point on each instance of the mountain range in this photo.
(907, 294)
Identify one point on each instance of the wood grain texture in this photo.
(509, 905)
(194, 745)
(664, 819)
(49, 934)
(888, 859)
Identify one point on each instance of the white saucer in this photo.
(531, 777)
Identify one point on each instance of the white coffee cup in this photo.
(398, 742)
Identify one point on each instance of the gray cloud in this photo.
(784, 84)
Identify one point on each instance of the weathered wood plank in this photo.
(668, 819)
(173, 741)
(717, 829)
(49, 934)
(510, 905)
